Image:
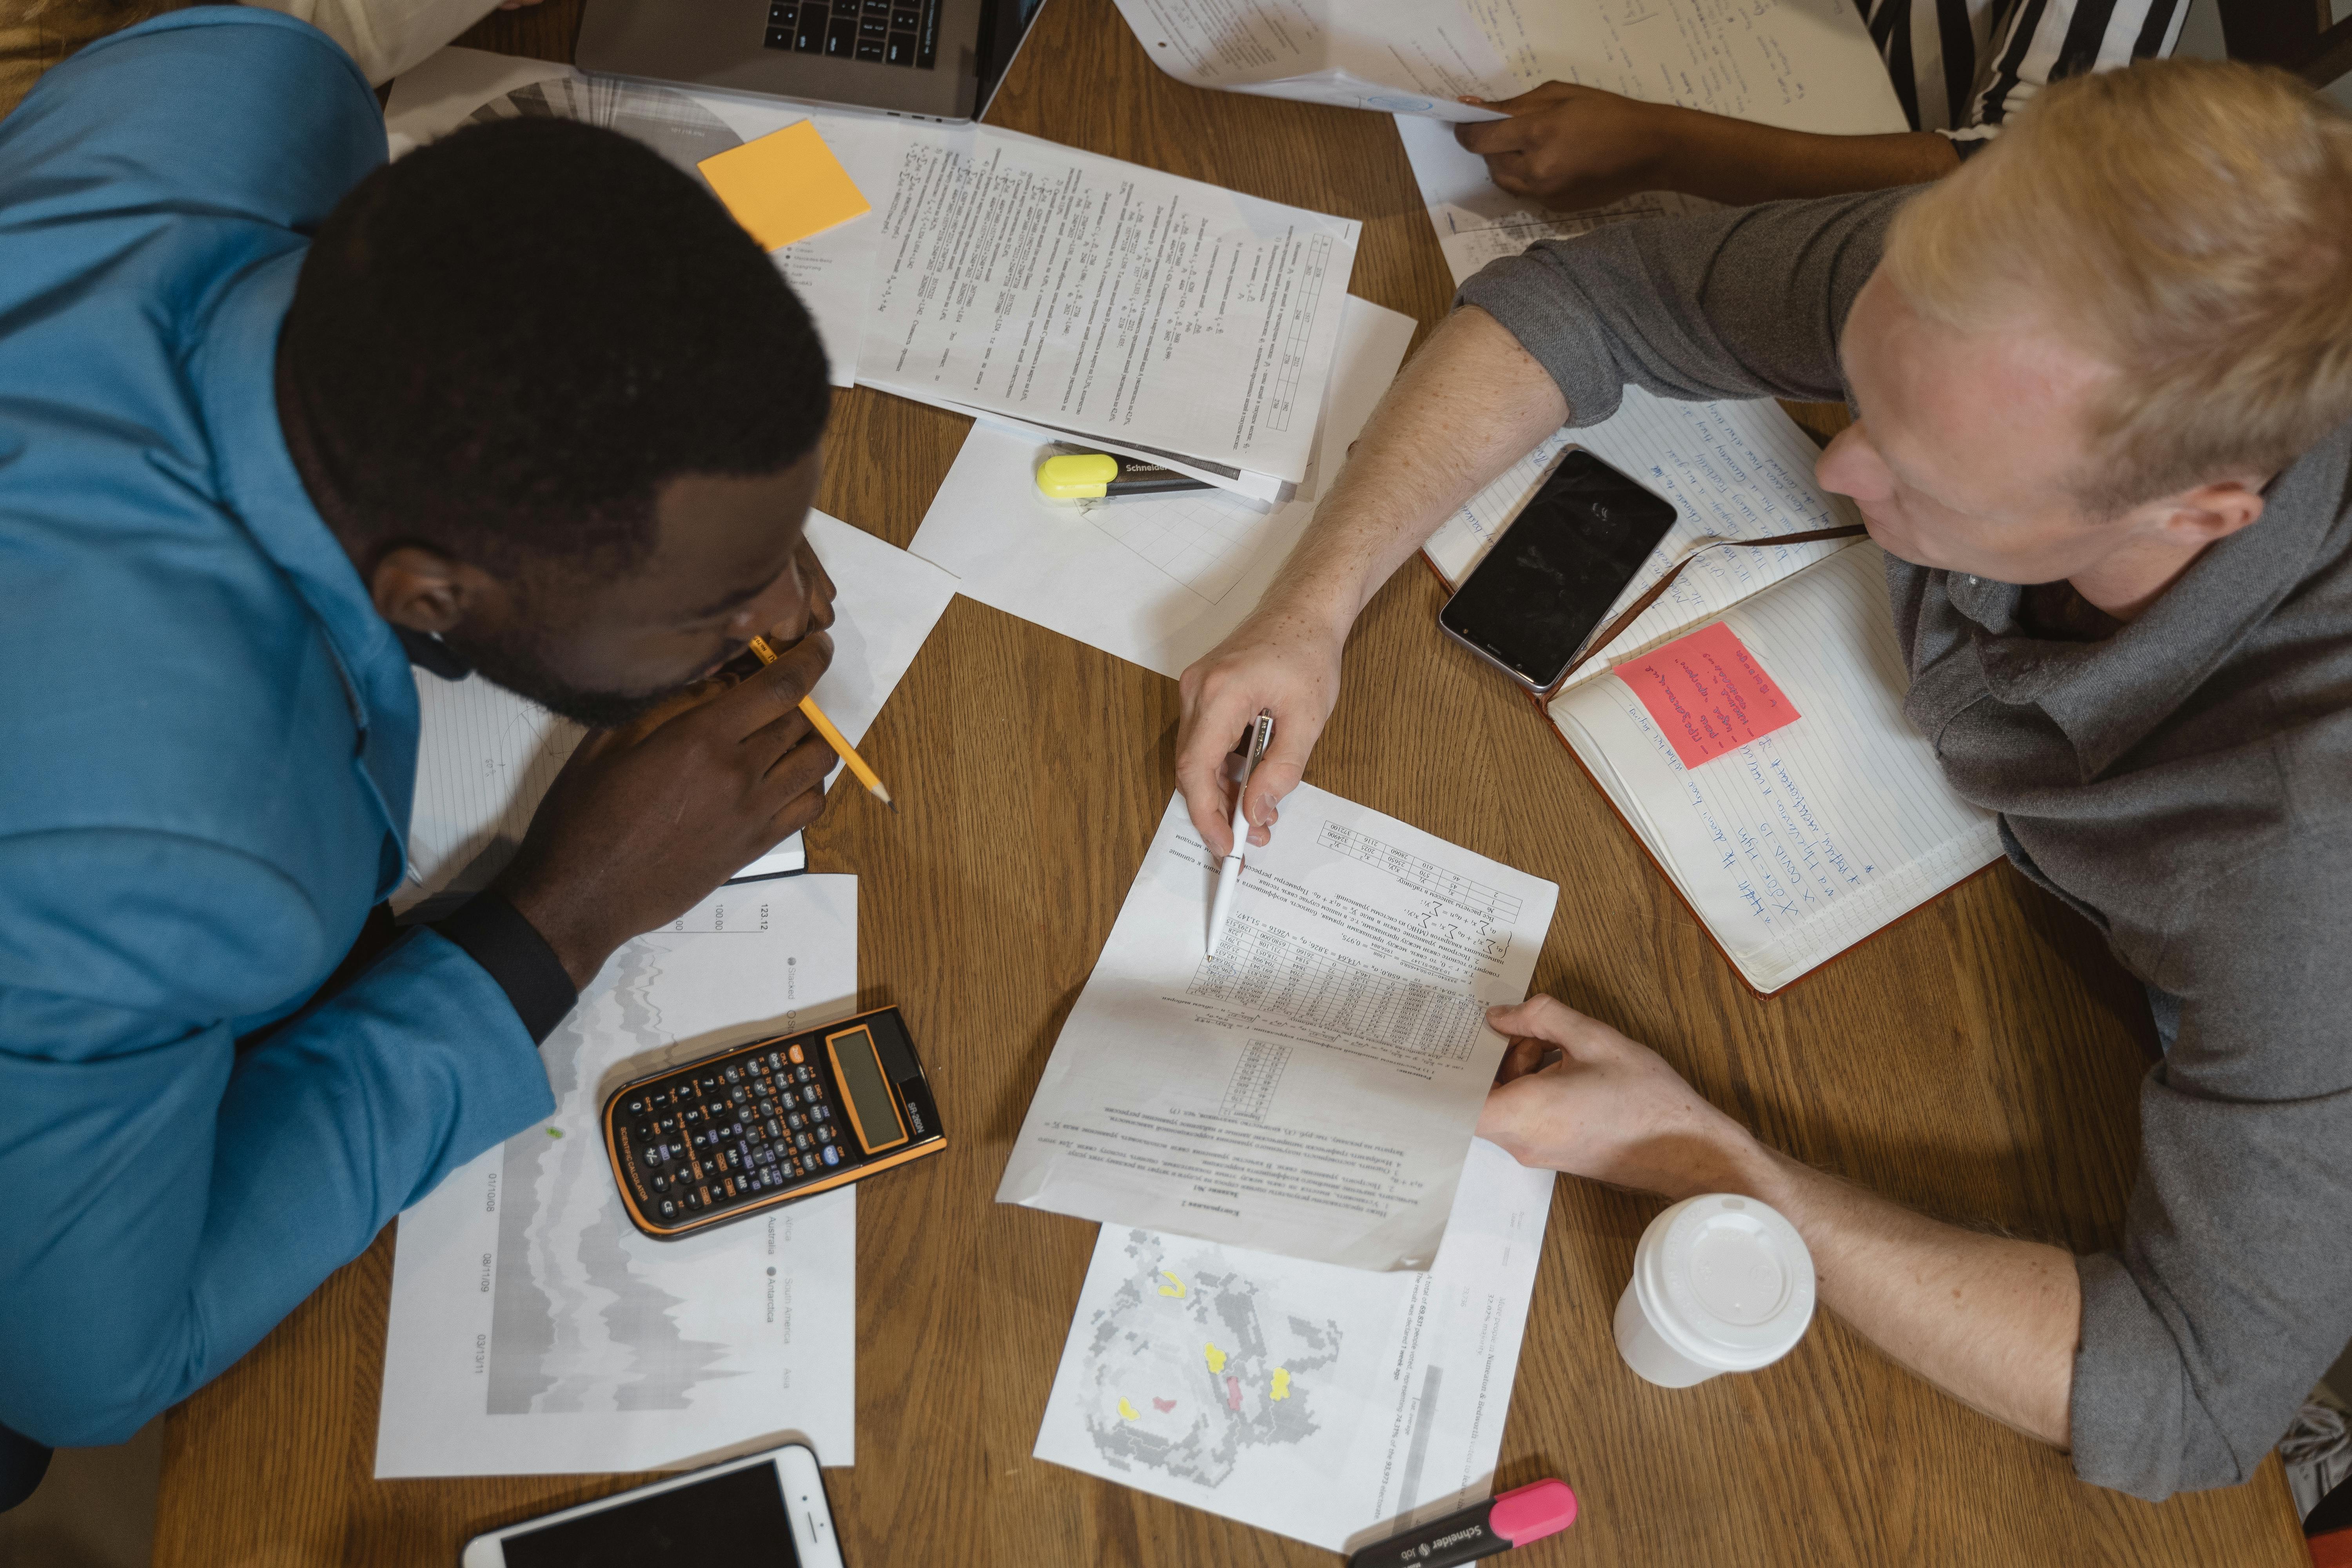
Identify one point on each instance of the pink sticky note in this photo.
(1707, 693)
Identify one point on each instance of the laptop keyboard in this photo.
(887, 32)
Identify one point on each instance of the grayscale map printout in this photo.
(535, 1330)
(1327, 1404)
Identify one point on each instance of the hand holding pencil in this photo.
(833, 737)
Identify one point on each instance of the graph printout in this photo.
(1312, 1090)
(534, 1330)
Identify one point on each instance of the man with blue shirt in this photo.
(274, 418)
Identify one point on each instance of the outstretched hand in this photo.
(1574, 1095)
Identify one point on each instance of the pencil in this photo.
(833, 737)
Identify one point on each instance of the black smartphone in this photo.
(1541, 590)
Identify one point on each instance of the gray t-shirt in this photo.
(2184, 782)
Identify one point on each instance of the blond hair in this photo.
(2186, 222)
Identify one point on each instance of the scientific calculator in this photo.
(737, 1133)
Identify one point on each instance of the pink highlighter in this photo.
(1517, 1517)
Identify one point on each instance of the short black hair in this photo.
(503, 344)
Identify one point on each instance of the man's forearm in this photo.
(1742, 164)
(1989, 1319)
(1470, 405)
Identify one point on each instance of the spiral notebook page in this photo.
(1798, 844)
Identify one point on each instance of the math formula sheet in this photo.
(1018, 278)
(1310, 1090)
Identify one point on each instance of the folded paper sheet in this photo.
(1312, 1090)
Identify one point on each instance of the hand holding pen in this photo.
(1229, 871)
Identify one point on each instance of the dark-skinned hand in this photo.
(1572, 147)
(644, 822)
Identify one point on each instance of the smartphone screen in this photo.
(1545, 585)
(736, 1518)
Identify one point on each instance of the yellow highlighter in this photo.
(833, 737)
(1093, 476)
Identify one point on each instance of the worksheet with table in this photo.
(1312, 1090)
(1019, 277)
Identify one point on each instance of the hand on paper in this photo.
(644, 821)
(1572, 147)
(1281, 661)
(1575, 1095)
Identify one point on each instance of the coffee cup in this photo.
(1721, 1283)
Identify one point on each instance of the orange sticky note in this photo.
(1707, 694)
(784, 186)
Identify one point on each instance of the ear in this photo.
(416, 586)
(2208, 512)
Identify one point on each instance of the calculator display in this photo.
(871, 1109)
(739, 1131)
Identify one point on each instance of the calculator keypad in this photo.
(727, 1134)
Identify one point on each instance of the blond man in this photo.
(2101, 378)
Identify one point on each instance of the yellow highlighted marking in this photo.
(1126, 1410)
(1174, 1287)
(1281, 1382)
(1216, 1359)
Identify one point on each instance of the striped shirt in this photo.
(1963, 67)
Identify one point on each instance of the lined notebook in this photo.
(1749, 727)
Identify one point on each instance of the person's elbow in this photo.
(71, 1390)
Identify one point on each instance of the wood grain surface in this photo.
(1980, 1060)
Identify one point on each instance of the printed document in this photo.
(486, 756)
(534, 1330)
(1806, 65)
(829, 271)
(1299, 1397)
(1312, 1090)
(1018, 278)
(1156, 579)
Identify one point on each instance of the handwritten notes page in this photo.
(1707, 694)
(1795, 845)
(1733, 470)
(1312, 1090)
(1019, 278)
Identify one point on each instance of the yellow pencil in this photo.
(833, 737)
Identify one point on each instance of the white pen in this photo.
(1229, 874)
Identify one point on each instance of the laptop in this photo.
(936, 59)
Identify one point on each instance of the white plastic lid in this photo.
(1726, 1281)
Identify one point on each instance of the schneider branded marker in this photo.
(1500, 1524)
(1093, 476)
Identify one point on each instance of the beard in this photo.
(520, 664)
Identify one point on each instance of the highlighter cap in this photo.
(1531, 1512)
(1076, 476)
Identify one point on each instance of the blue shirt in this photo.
(208, 749)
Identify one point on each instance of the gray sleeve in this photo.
(1740, 302)
(2232, 1289)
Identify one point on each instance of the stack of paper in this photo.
(1158, 580)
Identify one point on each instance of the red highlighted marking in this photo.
(1707, 694)
(1164, 1405)
(1232, 1391)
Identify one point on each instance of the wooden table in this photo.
(1979, 1060)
